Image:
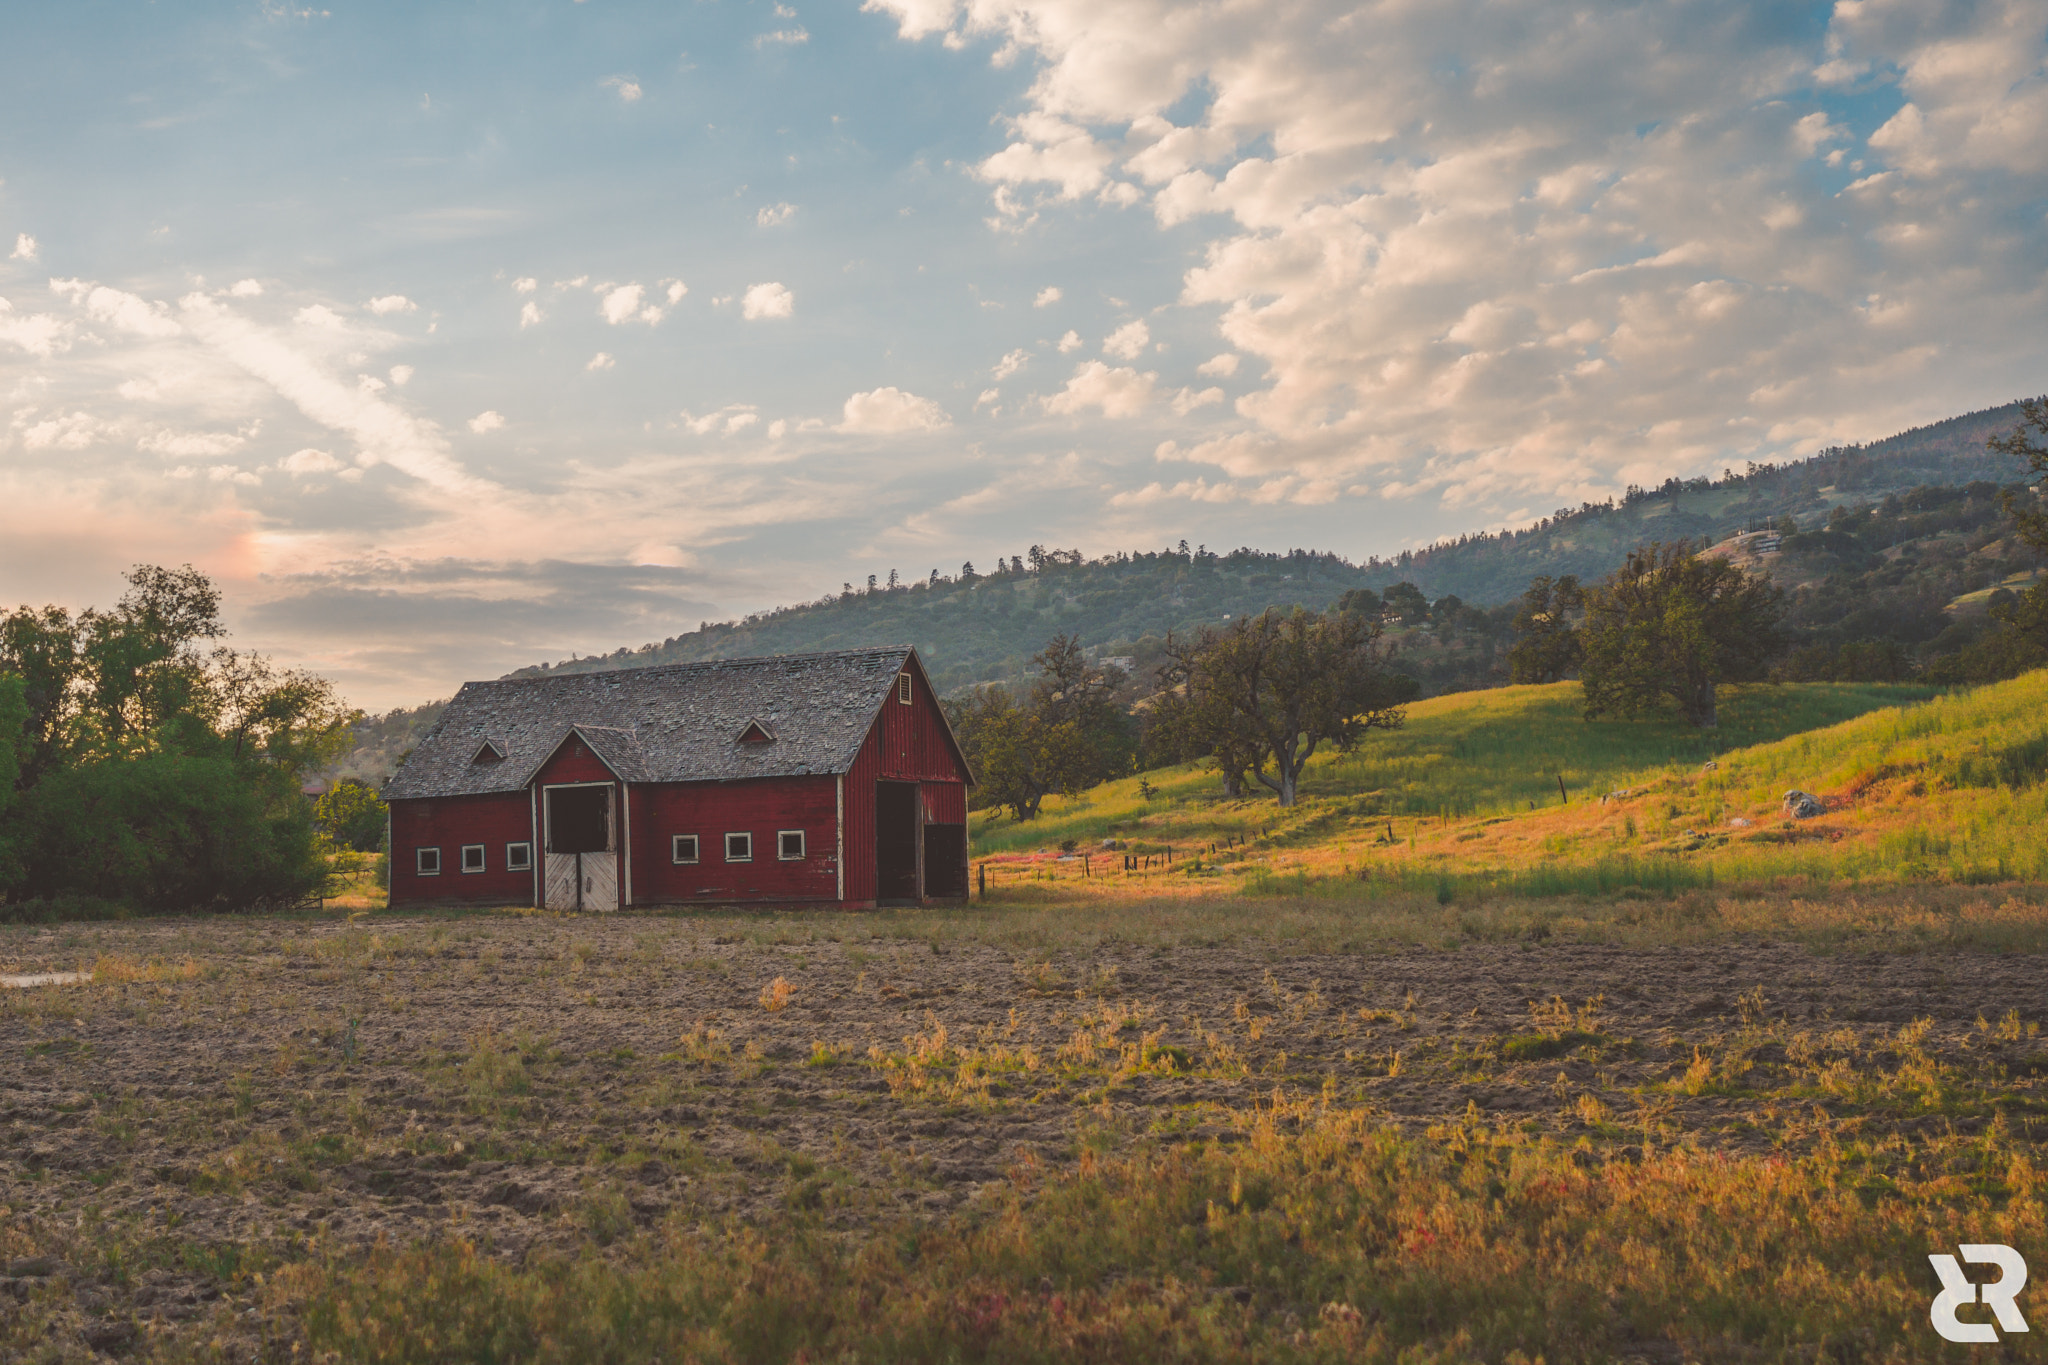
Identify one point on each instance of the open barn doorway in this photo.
(896, 842)
(582, 868)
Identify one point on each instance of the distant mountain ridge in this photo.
(985, 626)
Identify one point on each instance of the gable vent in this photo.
(754, 732)
(489, 753)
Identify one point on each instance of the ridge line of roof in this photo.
(871, 652)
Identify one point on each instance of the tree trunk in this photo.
(1705, 712)
(1233, 784)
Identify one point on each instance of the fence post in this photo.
(982, 870)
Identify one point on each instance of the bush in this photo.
(169, 833)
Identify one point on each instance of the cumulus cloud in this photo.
(1047, 297)
(309, 461)
(885, 410)
(1187, 400)
(601, 361)
(529, 315)
(192, 444)
(67, 431)
(626, 303)
(1545, 264)
(24, 248)
(629, 89)
(318, 315)
(1119, 392)
(245, 289)
(391, 303)
(40, 334)
(1011, 363)
(486, 422)
(774, 215)
(401, 375)
(1070, 342)
(786, 37)
(673, 291)
(1129, 341)
(769, 300)
(1219, 367)
(525, 284)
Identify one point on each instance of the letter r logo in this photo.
(1998, 1296)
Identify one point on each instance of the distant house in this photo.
(825, 779)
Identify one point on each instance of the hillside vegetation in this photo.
(1465, 802)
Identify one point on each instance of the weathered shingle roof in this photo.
(677, 723)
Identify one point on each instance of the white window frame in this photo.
(782, 853)
(483, 858)
(746, 857)
(419, 860)
(903, 692)
(675, 849)
(519, 857)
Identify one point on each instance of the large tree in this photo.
(2025, 620)
(1068, 733)
(1275, 688)
(150, 768)
(1547, 647)
(1670, 626)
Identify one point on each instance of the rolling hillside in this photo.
(1464, 803)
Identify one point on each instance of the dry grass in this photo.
(1116, 1131)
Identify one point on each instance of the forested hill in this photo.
(986, 626)
(1590, 540)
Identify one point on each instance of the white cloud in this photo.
(188, 445)
(623, 304)
(122, 310)
(629, 89)
(1129, 341)
(1116, 392)
(69, 431)
(309, 461)
(1187, 400)
(769, 300)
(889, 410)
(1047, 297)
(525, 284)
(486, 422)
(1011, 363)
(40, 334)
(529, 314)
(774, 215)
(674, 290)
(246, 289)
(24, 248)
(318, 315)
(1219, 367)
(401, 375)
(1506, 281)
(988, 396)
(392, 303)
(1070, 342)
(601, 361)
(227, 473)
(783, 36)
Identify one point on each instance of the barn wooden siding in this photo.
(711, 810)
(449, 822)
(905, 743)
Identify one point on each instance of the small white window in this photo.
(903, 688)
(472, 857)
(739, 848)
(789, 845)
(427, 861)
(519, 857)
(682, 848)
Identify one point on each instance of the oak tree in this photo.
(1670, 626)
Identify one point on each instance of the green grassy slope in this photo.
(1473, 754)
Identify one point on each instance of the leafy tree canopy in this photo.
(1669, 626)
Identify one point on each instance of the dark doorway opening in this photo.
(945, 862)
(579, 819)
(896, 823)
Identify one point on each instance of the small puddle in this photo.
(45, 979)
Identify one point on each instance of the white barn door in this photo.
(600, 881)
(558, 887)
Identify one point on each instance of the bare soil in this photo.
(228, 1094)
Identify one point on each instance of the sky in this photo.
(453, 337)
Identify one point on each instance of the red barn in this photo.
(827, 779)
